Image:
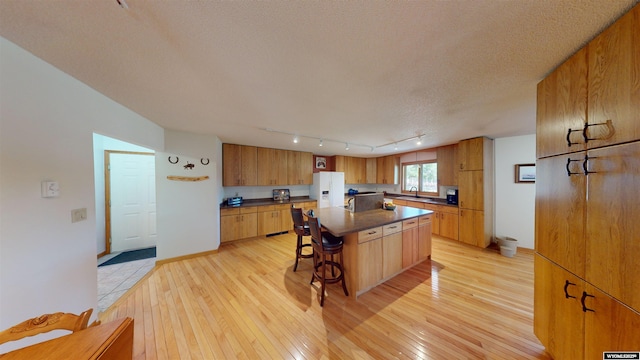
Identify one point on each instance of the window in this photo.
(422, 176)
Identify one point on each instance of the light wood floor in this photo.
(246, 302)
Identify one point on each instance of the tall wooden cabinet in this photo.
(239, 165)
(475, 191)
(354, 168)
(299, 168)
(447, 160)
(387, 169)
(587, 203)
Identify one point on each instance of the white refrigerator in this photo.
(328, 189)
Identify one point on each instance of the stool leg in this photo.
(298, 252)
(344, 284)
(324, 278)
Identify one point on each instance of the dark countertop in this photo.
(436, 201)
(267, 201)
(339, 221)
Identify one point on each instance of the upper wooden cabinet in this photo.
(354, 168)
(592, 99)
(272, 166)
(387, 170)
(471, 153)
(371, 166)
(299, 168)
(447, 157)
(239, 165)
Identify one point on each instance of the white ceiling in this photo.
(363, 72)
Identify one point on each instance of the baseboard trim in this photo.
(185, 257)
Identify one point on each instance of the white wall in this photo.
(188, 212)
(514, 202)
(100, 144)
(47, 121)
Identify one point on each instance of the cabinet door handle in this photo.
(609, 134)
(584, 306)
(569, 161)
(371, 232)
(566, 294)
(585, 164)
(392, 227)
(569, 131)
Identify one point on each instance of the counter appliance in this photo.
(452, 196)
(327, 189)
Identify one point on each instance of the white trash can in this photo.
(508, 246)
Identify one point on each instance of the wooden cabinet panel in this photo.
(471, 190)
(611, 325)
(391, 254)
(239, 165)
(238, 223)
(274, 219)
(410, 234)
(558, 319)
(370, 260)
(387, 170)
(371, 166)
(560, 206)
(614, 87)
(447, 160)
(448, 224)
(471, 154)
(471, 228)
(612, 222)
(299, 168)
(561, 107)
(354, 168)
(272, 167)
(424, 237)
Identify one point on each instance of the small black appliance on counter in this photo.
(452, 196)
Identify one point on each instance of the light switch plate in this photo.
(50, 189)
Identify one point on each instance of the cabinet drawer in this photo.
(409, 224)
(283, 206)
(369, 234)
(248, 210)
(392, 228)
(431, 207)
(266, 208)
(227, 212)
(424, 219)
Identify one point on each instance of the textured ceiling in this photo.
(364, 72)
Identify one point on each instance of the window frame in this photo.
(404, 190)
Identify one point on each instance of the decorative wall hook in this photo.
(174, 162)
(189, 166)
(202, 161)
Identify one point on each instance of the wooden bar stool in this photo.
(325, 246)
(301, 228)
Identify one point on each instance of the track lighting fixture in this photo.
(295, 139)
(320, 144)
(346, 147)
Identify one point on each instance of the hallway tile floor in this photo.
(115, 280)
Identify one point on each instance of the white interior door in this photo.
(133, 201)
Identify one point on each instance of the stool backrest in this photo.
(316, 232)
(46, 323)
(298, 219)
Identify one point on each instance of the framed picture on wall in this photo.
(525, 173)
(321, 163)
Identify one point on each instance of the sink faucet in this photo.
(414, 188)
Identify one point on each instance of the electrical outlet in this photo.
(78, 215)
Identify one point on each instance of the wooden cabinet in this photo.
(410, 239)
(475, 191)
(272, 167)
(471, 228)
(471, 154)
(239, 165)
(575, 320)
(369, 258)
(274, 219)
(447, 157)
(371, 166)
(596, 85)
(299, 168)
(238, 223)
(424, 237)
(391, 249)
(448, 222)
(586, 199)
(387, 169)
(354, 168)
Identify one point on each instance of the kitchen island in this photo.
(378, 244)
